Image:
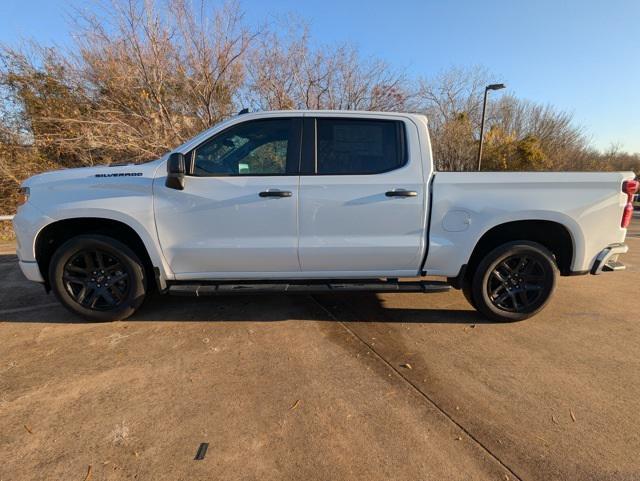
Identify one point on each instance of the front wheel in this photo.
(514, 281)
(98, 278)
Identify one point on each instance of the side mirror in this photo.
(175, 171)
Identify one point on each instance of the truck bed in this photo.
(466, 205)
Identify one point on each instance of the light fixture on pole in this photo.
(484, 108)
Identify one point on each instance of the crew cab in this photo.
(305, 201)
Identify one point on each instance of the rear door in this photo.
(237, 215)
(362, 197)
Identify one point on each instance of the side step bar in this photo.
(224, 288)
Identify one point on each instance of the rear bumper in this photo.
(607, 260)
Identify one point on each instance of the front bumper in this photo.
(27, 223)
(607, 260)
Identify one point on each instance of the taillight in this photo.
(627, 214)
(629, 187)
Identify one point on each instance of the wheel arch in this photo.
(53, 235)
(551, 234)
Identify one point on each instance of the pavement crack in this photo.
(417, 389)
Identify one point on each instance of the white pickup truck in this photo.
(315, 201)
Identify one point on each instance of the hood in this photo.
(104, 171)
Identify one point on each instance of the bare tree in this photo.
(452, 92)
(213, 61)
(452, 100)
(144, 75)
(139, 81)
(558, 136)
(286, 72)
(520, 135)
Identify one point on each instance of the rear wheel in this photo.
(514, 281)
(98, 278)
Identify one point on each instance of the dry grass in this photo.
(6, 231)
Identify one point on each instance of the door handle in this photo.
(401, 193)
(275, 193)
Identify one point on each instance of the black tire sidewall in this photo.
(479, 293)
(130, 261)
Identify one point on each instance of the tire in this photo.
(514, 281)
(98, 278)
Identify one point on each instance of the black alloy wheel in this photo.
(514, 281)
(96, 279)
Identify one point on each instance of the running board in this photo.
(224, 288)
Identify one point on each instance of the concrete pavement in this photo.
(403, 386)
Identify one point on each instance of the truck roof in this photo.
(376, 113)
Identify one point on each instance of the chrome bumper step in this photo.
(607, 260)
(613, 266)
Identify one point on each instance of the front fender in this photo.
(121, 194)
(143, 225)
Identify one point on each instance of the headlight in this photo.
(23, 196)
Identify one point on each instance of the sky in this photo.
(582, 56)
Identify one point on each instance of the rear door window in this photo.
(359, 146)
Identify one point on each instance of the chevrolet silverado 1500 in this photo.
(301, 201)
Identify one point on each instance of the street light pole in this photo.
(484, 108)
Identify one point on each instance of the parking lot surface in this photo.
(395, 386)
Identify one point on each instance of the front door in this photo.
(237, 215)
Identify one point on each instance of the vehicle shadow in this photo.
(26, 302)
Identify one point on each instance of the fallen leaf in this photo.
(28, 429)
(295, 405)
(406, 366)
(542, 439)
(573, 416)
(88, 476)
